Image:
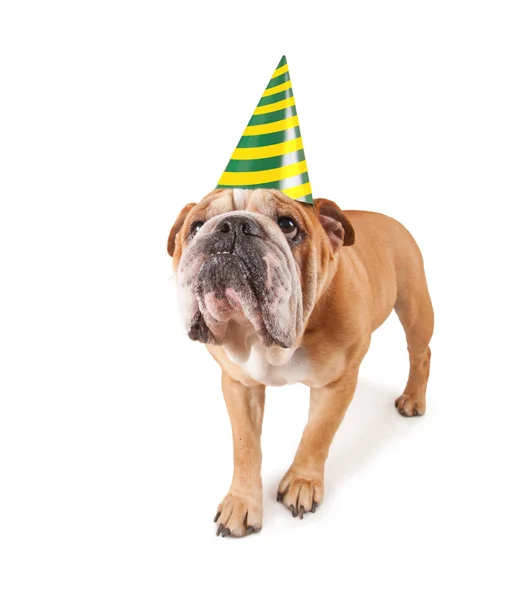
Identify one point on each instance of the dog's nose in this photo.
(239, 224)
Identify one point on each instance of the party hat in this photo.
(270, 153)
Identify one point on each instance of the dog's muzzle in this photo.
(237, 267)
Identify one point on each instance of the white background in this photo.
(115, 446)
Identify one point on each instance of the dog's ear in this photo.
(333, 220)
(177, 226)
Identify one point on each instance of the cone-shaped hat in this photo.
(270, 153)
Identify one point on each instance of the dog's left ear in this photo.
(177, 226)
(339, 230)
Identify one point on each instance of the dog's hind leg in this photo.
(414, 309)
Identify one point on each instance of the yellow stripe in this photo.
(268, 151)
(298, 191)
(279, 71)
(288, 123)
(261, 110)
(278, 88)
(263, 176)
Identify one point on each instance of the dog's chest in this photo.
(260, 369)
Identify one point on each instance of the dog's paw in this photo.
(408, 406)
(238, 515)
(301, 492)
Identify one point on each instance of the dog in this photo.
(284, 292)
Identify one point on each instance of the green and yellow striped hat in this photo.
(270, 153)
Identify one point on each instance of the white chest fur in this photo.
(259, 368)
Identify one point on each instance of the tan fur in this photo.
(354, 288)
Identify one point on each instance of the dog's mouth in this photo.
(229, 294)
(235, 286)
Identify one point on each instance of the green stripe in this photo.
(278, 80)
(273, 185)
(275, 97)
(306, 199)
(271, 117)
(281, 63)
(263, 164)
(267, 139)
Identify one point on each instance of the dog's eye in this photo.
(288, 227)
(196, 226)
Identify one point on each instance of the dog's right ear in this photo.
(177, 226)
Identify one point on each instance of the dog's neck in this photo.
(242, 341)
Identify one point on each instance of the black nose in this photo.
(239, 224)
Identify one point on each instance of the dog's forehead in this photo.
(225, 200)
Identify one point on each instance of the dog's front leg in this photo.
(301, 489)
(240, 513)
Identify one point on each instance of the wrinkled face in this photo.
(248, 262)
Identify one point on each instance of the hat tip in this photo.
(282, 62)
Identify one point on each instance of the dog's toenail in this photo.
(225, 532)
(220, 529)
(217, 516)
(314, 507)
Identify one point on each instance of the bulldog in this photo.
(283, 292)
